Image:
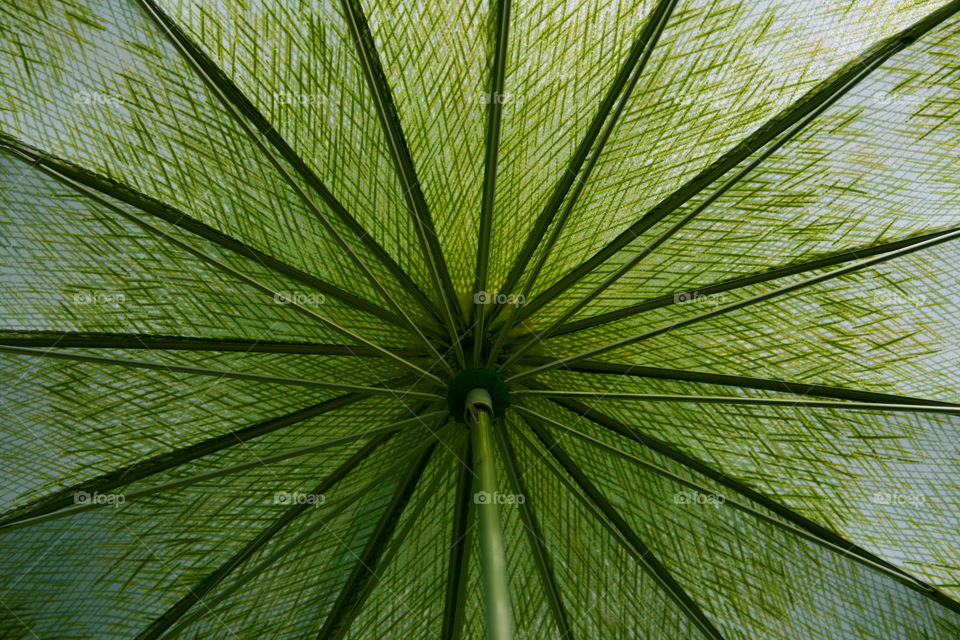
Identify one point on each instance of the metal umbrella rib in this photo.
(808, 282)
(189, 53)
(217, 373)
(209, 475)
(827, 92)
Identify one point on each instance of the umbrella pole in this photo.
(493, 563)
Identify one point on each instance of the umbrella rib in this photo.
(196, 595)
(646, 42)
(227, 88)
(123, 193)
(167, 26)
(898, 574)
(172, 459)
(239, 275)
(216, 473)
(767, 384)
(531, 527)
(428, 495)
(185, 343)
(492, 143)
(639, 51)
(644, 555)
(747, 492)
(561, 476)
(775, 402)
(219, 373)
(461, 534)
(403, 163)
(365, 573)
(824, 92)
(591, 295)
(840, 257)
(740, 304)
(292, 544)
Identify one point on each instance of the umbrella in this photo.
(375, 319)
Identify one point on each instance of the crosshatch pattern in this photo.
(709, 247)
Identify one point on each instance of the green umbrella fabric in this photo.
(379, 319)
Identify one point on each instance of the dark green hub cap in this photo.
(470, 379)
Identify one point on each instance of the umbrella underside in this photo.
(374, 319)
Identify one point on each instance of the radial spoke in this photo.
(799, 388)
(827, 91)
(841, 257)
(776, 402)
(109, 188)
(237, 274)
(199, 592)
(639, 50)
(738, 305)
(172, 459)
(427, 496)
(368, 568)
(403, 162)
(656, 23)
(460, 539)
(226, 88)
(574, 490)
(640, 550)
(219, 373)
(735, 179)
(216, 473)
(896, 573)
(724, 479)
(179, 40)
(322, 523)
(531, 526)
(145, 341)
(492, 142)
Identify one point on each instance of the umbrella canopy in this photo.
(382, 319)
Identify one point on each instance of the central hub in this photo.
(470, 379)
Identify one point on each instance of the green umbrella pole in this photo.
(493, 563)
